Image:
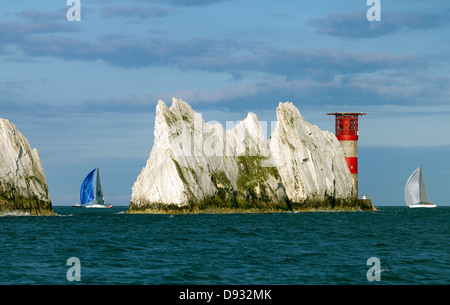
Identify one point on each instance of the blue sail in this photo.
(87, 188)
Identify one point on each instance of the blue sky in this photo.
(84, 93)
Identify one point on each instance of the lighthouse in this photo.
(347, 133)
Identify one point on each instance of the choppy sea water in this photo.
(412, 246)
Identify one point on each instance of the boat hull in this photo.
(98, 206)
(429, 205)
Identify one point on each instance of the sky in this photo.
(84, 92)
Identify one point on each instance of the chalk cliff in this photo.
(310, 161)
(23, 187)
(197, 166)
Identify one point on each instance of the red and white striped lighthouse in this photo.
(347, 133)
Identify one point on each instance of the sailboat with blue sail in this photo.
(91, 193)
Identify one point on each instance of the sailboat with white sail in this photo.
(91, 193)
(416, 195)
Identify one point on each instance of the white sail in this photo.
(423, 197)
(412, 188)
(415, 191)
(98, 189)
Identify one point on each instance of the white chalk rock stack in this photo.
(194, 163)
(23, 186)
(310, 161)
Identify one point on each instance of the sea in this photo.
(79, 246)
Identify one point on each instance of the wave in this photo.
(26, 214)
(15, 213)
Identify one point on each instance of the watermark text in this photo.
(374, 12)
(374, 272)
(74, 272)
(74, 12)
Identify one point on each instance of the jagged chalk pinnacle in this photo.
(194, 164)
(23, 186)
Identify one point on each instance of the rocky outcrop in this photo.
(310, 161)
(199, 166)
(23, 187)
